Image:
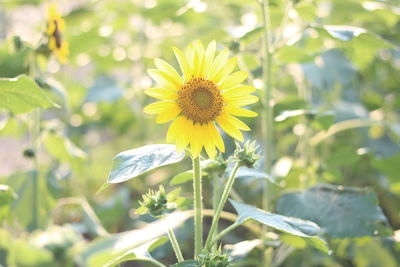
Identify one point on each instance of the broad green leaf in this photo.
(241, 249)
(132, 163)
(104, 249)
(181, 178)
(309, 231)
(187, 263)
(361, 45)
(293, 54)
(22, 208)
(139, 253)
(246, 173)
(341, 212)
(7, 196)
(61, 148)
(21, 95)
(251, 36)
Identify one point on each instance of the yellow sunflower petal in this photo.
(217, 137)
(210, 141)
(238, 123)
(218, 63)
(183, 63)
(226, 124)
(226, 70)
(168, 69)
(184, 133)
(158, 107)
(241, 112)
(190, 53)
(238, 91)
(209, 56)
(199, 47)
(239, 101)
(173, 130)
(197, 139)
(169, 113)
(163, 79)
(234, 79)
(161, 93)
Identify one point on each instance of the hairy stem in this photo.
(198, 206)
(175, 245)
(215, 201)
(221, 204)
(224, 232)
(267, 115)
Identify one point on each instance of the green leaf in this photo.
(341, 212)
(61, 148)
(293, 54)
(7, 196)
(242, 249)
(187, 263)
(181, 178)
(104, 249)
(132, 163)
(251, 36)
(139, 253)
(309, 231)
(246, 173)
(21, 95)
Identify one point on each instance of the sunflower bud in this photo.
(247, 155)
(157, 203)
(214, 259)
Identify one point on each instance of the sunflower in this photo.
(207, 93)
(55, 29)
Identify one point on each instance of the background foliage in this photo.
(336, 128)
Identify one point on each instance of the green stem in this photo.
(36, 174)
(221, 204)
(224, 232)
(267, 115)
(215, 201)
(156, 262)
(175, 245)
(198, 206)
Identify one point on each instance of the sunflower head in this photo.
(207, 93)
(55, 30)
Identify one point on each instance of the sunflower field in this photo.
(248, 133)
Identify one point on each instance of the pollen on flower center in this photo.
(200, 100)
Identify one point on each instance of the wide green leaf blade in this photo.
(341, 212)
(104, 249)
(305, 229)
(21, 95)
(141, 253)
(132, 163)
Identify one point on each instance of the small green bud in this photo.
(157, 203)
(214, 259)
(29, 153)
(247, 155)
(18, 44)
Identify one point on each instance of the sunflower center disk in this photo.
(200, 100)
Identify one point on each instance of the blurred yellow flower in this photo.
(206, 94)
(55, 29)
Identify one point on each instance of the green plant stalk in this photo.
(221, 204)
(36, 174)
(224, 232)
(175, 245)
(215, 203)
(156, 262)
(267, 117)
(198, 207)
